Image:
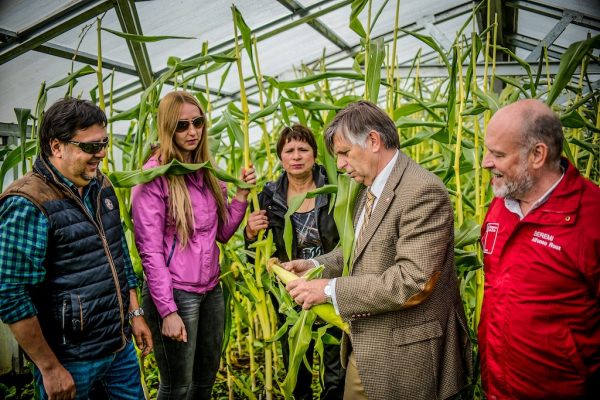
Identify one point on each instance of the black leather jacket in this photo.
(273, 198)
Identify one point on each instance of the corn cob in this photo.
(324, 311)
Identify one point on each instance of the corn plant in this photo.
(441, 124)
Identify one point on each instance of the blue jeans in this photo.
(188, 370)
(118, 374)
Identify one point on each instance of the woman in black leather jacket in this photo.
(314, 233)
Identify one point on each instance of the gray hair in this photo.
(543, 126)
(356, 121)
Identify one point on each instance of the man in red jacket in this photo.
(539, 334)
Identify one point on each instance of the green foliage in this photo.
(427, 113)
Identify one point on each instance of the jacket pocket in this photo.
(417, 333)
(77, 315)
(569, 349)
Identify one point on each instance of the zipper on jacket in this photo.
(100, 230)
(113, 268)
(172, 250)
(64, 311)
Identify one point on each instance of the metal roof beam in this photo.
(51, 27)
(528, 43)
(568, 17)
(317, 25)
(265, 31)
(130, 23)
(83, 57)
(587, 21)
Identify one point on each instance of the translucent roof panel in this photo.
(86, 37)
(17, 16)
(288, 44)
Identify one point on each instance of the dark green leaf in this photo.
(87, 70)
(14, 157)
(569, 62)
(142, 38)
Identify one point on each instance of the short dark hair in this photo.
(356, 121)
(296, 132)
(544, 127)
(65, 117)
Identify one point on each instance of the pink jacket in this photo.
(194, 268)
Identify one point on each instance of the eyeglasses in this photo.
(184, 124)
(90, 147)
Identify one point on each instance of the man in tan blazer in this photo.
(408, 329)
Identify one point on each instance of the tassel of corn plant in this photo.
(324, 311)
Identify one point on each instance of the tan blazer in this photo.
(407, 322)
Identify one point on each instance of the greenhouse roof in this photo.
(42, 41)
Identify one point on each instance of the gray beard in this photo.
(516, 188)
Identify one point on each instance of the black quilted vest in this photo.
(83, 301)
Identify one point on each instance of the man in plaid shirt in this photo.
(67, 286)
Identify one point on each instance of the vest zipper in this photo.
(113, 269)
(100, 230)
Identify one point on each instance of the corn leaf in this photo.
(293, 206)
(127, 179)
(467, 234)
(355, 24)
(142, 38)
(343, 215)
(298, 340)
(569, 62)
(309, 80)
(312, 105)
(375, 61)
(87, 70)
(14, 157)
(410, 122)
(429, 41)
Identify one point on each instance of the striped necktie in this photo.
(368, 209)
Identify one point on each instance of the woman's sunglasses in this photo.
(90, 147)
(184, 124)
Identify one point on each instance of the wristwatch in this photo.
(328, 291)
(135, 313)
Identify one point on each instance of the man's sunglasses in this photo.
(184, 124)
(90, 147)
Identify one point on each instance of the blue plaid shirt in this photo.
(23, 244)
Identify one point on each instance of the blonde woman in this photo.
(178, 221)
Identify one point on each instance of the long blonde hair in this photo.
(180, 206)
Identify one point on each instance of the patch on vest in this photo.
(109, 204)
(489, 237)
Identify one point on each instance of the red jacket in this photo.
(539, 335)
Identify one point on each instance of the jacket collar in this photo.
(383, 204)
(281, 187)
(569, 189)
(48, 171)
